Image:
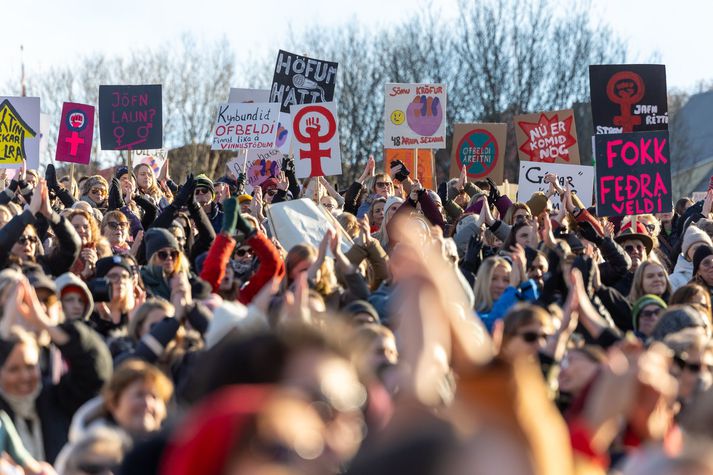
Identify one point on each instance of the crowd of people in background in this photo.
(149, 326)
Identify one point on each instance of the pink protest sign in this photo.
(76, 130)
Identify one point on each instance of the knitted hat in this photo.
(693, 235)
(269, 183)
(434, 196)
(202, 181)
(39, 280)
(121, 171)
(698, 256)
(158, 238)
(105, 264)
(244, 197)
(537, 203)
(360, 306)
(641, 234)
(646, 300)
(392, 200)
(676, 318)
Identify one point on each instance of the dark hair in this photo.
(510, 240)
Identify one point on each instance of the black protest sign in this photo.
(302, 80)
(633, 173)
(628, 98)
(130, 117)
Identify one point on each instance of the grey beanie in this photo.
(158, 238)
(676, 318)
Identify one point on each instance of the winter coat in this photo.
(68, 279)
(525, 292)
(682, 273)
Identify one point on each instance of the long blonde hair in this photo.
(637, 286)
(481, 290)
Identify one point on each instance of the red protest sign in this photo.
(549, 137)
(76, 131)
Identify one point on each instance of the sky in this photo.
(54, 32)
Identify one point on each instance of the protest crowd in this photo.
(214, 325)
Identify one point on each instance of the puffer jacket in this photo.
(682, 273)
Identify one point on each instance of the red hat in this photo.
(269, 183)
(626, 233)
(201, 445)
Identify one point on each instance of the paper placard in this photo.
(415, 116)
(580, 177)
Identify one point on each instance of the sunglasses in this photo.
(28, 238)
(271, 192)
(114, 278)
(243, 252)
(384, 184)
(163, 255)
(202, 191)
(692, 367)
(532, 337)
(117, 225)
(631, 248)
(650, 313)
(98, 191)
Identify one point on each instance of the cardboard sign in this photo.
(20, 132)
(316, 140)
(532, 174)
(480, 148)
(266, 164)
(248, 95)
(628, 98)
(302, 221)
(130, 117)
(153, 158)
(549, 137)
(245, 126)
(425, 173)
(302, 80)
(415, 116)
(76, 131)
(633, 173)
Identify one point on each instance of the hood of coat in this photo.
(69, 279)
(683, 266)
(91, 414)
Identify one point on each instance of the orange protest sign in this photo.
(425, 173)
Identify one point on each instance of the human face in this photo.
(245, 207)
(695, 373)
(378, 213)
(637, 252)
(116, 231)
(577, 370)
(300, 267)
(329, 203)
(391, 211)
(203, 196)
(269, 194)
(26, 245)
(654, 280)
(538, 269)
(167, 258)
(153, 317)
(384, 187)
(98, 192)
(499, 282)
(127, 183)
(705, 270)
(244, 254)
(648, 318)
(179, 234)
(121, 282)
(527, 341)
(4, 217)
(222, 192)
(665, 220)
(526, 237)
(81, 225)
(139, 409)
(144, 178)
(73, 305)
(31, 179)
(520, 215)
(20, 374)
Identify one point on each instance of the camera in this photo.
(100, 288)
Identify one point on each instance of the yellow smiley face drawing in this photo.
(398, 117)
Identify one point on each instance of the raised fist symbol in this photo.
(312, 126)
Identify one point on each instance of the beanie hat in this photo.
(105, 264)
(676, 318)
(361, 306)
(574, 243)
(269, 183)
(244, 197)
(390, 201)
(434, 196)
(39, 280)
(646, 300)
(698, 256)
(537, 203)
(202, 181)
(158, 238)
(693, 235)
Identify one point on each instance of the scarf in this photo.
(27, 421)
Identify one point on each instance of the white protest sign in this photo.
(316, 140)
(532, 174)
(20, 132)
(415, 116)
(245, 126)
(302, 221)
(248, 95)
(153, 158)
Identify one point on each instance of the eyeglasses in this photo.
(650, 313)
(117, 225)
(98, 191)
(115, 278)
(692, 367)
(243, 252)
(706, 263)
(384, 184)
(163, 255)
(328, 205)
(202, 191)
(28, 238)
(629, 248)
(531, 337)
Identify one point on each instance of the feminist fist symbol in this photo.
(312, 126)
(313, 139)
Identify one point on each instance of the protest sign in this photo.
(20, 132)
(245, 126)
(425, 172)
(153, 158)
(263, 165)
(697, 196)
(316, 140)
(302, 221)
(633, 173)
(130, 117)
(480, 148)
(628, 98)
(76, 131)
(248, 95)
(549, 137)
(415, 116)
(302, 80)
(579, 177)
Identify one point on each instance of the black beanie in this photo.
(158, 238)
(105, 264)
(361, 306)
(701, 253)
